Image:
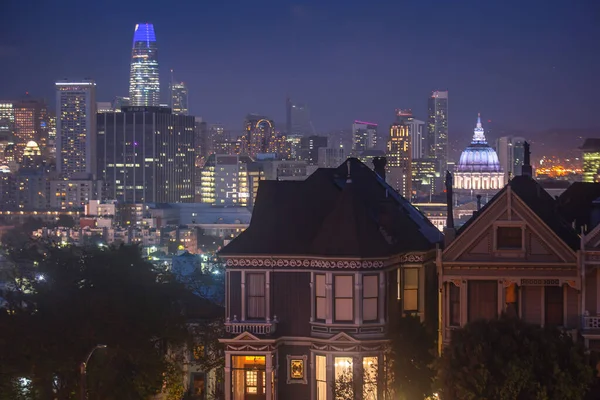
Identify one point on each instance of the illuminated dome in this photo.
(4, 169)
(32, 144)
(32, 149)
(479, 156)
(479, 167)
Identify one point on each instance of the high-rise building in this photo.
(591, 160)
(120, 101)
(415, 128)
(437, 129)
(511, 154)
(76, 128)
(364, 136)
(258, 134)
(399, 159)
(179, 97)
(309, 148)
(146, 155)
(298, 119)
(30, 117)
(230, 180)
(144, 85)
(331, 157)
(7, 120)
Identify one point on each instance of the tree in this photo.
(61, 302)
(65, 221)
(411, 358)
(508, 359)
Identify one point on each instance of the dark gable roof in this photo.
(541, 203)
(327, 216)
(576, 203)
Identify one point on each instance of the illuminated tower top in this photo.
(144, 85)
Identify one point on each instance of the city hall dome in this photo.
(478, 156)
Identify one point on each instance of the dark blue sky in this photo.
(528, 64)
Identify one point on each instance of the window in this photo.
(411, 289)
(321, 376)
(509, 238)
(255, 287)
(454, 304)
(198, 387)
(344, 306)
(370, 294)
(554, 305)
(320, 298)
(483, 300)
(343, 384)
(511, 300)
(370, 378)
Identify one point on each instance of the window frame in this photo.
(454, 320)
(248, 296)
(509, 224)
(561, 290)
(375, 297)
(415, 289)
(317, 297)
(335, 298)
(471, 303)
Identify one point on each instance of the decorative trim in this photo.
(412, 258)
(296, 369)
(304, 263)
(456, 282)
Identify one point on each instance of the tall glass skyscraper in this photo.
(179, 97)
(144, 85)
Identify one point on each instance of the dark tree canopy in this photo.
(64, 301)
(508, 359)
(412, 353)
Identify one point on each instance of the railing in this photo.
(236, 327)
(591, 322)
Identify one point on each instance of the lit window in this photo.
(411, 289)
(343, 385)
(370, 378)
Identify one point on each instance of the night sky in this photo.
(524, 64)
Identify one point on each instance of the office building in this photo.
(146, 155)
(7, 120)
(30, 116)
(298, 119)
(76, 128)
(511, 153)
(399, 160)
(364, 136)
(591, 160)
(144, 85)
(437, 129)
(331, 157)
(230, 180)
(179, 97)
(120, 101)
(426, 179)
(309, 148)
(416, 131)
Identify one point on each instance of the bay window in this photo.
(344, 304)
(320, 298)
(370, 297)
(411, 289)
(321, 377)
(255, 293)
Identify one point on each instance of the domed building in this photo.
(479, 167)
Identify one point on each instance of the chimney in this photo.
(379, 166)
(526, 168)
(449, 231)
(478, 202)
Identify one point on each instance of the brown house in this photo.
(517, 255)
(313, 282)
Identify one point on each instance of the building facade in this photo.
(416, 131)
(511, 152)
(591, 160)
(179, 97)
(144, 83)
(399, 159)
(364, 136)
(314, 281)
(479, 168)
(146, 155)
(298, 121)
(76, 128)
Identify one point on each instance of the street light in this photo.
(83, 371)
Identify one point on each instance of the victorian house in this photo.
(314, 281)
(517, 255)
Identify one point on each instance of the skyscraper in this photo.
(30, 117)
(399, 159)
(437, 128)
(511, 153)
(415, 128)
(258, 134)
(364, 136)
(146, 155)
(7, 120)
(75, 128)
(298, 119)
(179, 97)
(144, 86)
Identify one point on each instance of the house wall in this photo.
(291, 302)
(296, 390)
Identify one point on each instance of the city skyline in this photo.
(524, 79)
